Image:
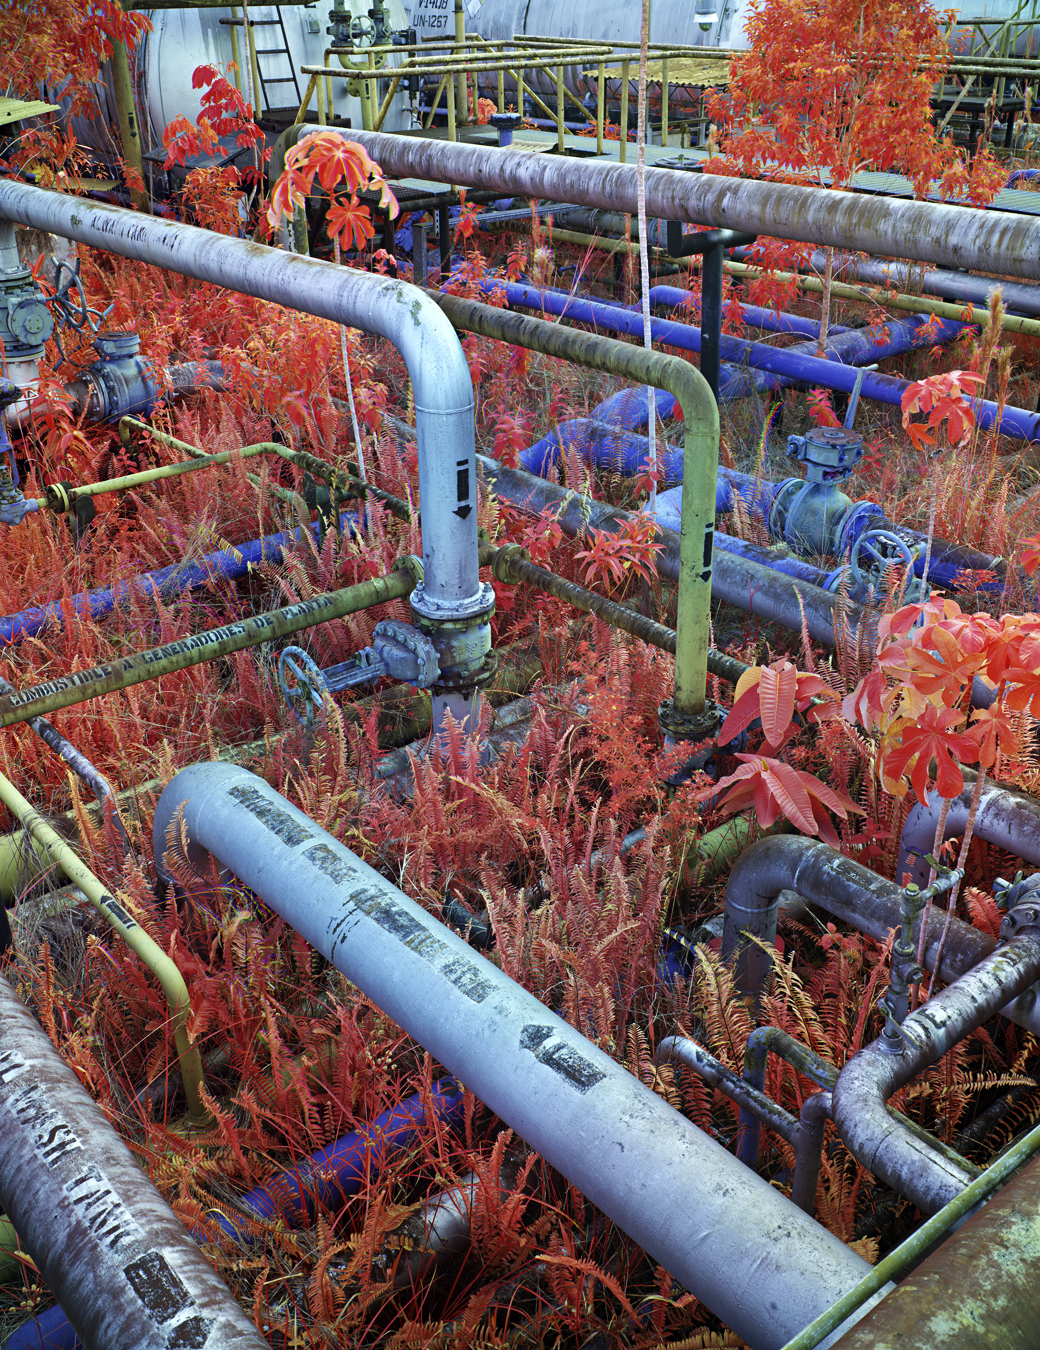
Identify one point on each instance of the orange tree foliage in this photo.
(832, 87)
(63, 44)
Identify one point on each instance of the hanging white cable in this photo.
(350, 389)
(644, 251)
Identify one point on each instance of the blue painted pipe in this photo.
(605, 446)
(166, 582)
(51, 1330)
(754, 316)
(332, 1175)
(774, 367)
(327, 1177)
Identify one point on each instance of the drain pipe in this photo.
(450, 604)
(868, 1080)
(736, 1243)
(847, 891)
(119, 1262)
(955, 236)
(1006, 817)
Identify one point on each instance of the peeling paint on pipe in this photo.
(742, 1248)
(954, 236)
(119, 1262)
(979, 1291)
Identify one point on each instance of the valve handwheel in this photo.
(307, 689)
(874, 553)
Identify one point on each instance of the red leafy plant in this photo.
(336, 164)
(774, 695)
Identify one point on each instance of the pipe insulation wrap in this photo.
(743, 1248)
(955, 236)
(402, 314)
(121, 1265)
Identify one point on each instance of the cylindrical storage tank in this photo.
(696, 23)
(182, 40)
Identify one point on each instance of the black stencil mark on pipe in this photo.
(462, 479)
(12, 1066)
(96, 1203)
(562, 1058)
(191, 1334)
(159, 1288)
(51, 1135)
(709, 545)
(394, 919)
(272, 817)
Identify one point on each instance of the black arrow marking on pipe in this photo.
(709, 544)
(462, 512)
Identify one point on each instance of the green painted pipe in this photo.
(206, 646)
(984, 1281)
(510, 565)
(700, 462)
(129, 138)
(346, 484)
(162, 966)
(979, 1291)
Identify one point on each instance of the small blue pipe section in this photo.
(754, 316)
(332, 1175)
(228, 564)
(328, 1177)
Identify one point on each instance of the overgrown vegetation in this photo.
(296, 1058)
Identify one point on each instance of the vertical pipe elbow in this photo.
(403, 314)
(884, 1144)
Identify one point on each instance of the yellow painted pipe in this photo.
(161, 966)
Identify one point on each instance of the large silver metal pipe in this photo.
(402, 314)
(955, 236)
(1005, 817)
(117, 1259)
(744, 1249)
(879, 1141)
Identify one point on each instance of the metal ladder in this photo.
(270, 52)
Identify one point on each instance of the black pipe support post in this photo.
(711, 243)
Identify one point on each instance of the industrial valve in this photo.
(1021, 899)
(808, 513)
(398, 651)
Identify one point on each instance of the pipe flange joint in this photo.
(699, 727)
(59, 497)
(475, 609)
(502, 563)
(464, 681)
(460, 630)
(411, 564)
(1021, 921)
